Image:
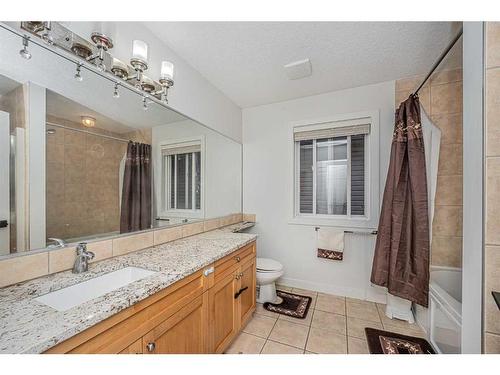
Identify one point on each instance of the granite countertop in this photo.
(28, 326)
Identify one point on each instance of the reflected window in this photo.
(182, 176)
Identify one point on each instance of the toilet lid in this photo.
(266, 264)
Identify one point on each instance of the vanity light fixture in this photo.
(88, 122)
(78, 74)
(139, 60)
(96, 52)
(25, 54)
(116, 94)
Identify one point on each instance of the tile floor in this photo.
(334, 325)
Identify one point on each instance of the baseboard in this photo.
(332, 289)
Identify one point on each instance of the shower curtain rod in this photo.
(87, 132)
(440, 59)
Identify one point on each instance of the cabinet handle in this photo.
(237, 259)
(237, 294)
(151, 347)
(237, 276)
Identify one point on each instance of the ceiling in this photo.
(245, 59)
(62, 107)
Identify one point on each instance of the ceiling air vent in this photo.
(298, 69)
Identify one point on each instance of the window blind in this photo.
(181, 149)
(339, 131)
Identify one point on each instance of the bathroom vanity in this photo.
(201, 294)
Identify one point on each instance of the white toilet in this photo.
(268, 271)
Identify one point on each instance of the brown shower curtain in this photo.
(136, 194)
(401, 260)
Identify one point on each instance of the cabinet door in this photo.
(247, 290)
(223, 315)
(185, 332)
(135, 348)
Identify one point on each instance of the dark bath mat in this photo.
(293, 305)
(383, 342)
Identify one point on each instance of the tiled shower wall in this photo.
(82, 182)
(492, 198)
(441, 98)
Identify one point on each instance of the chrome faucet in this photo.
(82, 258)
(59, 243)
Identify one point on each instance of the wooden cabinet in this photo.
(135, 348)
(247, 290)
(201, 313)
(223, 319)
(232, 298)
(185, 332)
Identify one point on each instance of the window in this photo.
(182, 188)
(331, 177)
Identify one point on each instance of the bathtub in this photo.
(445, 310)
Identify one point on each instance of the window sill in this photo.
(347, 224)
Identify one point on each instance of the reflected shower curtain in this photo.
(136, 193)
(401, 260)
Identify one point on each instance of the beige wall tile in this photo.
(192, 229)
(236, 218)
(124, 245)
(23, 268)
(446, 98)
(492, 283)
(493, 44)
(491, 343)
(211, 224)
(447, 76)
(63, 259)
(450, 160)
(167, 235)
(493, 112)
(449, 190)
(447, 221)
(493, 201)
(410, 83)
(446, 251)
(249, 217)
(450, 126)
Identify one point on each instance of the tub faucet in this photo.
(82, 258)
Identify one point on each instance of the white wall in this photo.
(192, 94)
(222, 165)
(473, 184)
(268, 193)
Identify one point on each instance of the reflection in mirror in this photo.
(82, 161)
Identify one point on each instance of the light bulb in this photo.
(140, 51)
(167, 70)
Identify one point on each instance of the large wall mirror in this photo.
(64, 149)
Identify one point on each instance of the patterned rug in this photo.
(383, 342)
(293, 305)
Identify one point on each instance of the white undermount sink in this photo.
(66, 298)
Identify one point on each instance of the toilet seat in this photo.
(265, 265)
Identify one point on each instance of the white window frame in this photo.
(165, 211)
(370, 219)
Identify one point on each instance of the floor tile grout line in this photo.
(269, 335)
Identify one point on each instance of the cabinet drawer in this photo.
(230, 262)
(121, 330)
